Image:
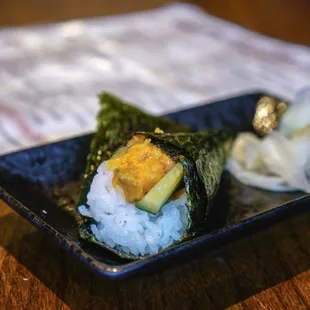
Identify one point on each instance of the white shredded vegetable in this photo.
(275, 163)
(297, 116)
(256, 179)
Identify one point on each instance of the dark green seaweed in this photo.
(203, 156)
(116, 121)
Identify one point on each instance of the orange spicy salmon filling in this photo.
(139, 168)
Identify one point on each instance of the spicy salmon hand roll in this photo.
(154, 191)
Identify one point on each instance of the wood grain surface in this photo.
(268, 270)
(284, 19)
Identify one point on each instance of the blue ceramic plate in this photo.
(42, 184)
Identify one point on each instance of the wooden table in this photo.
(283, 19)
(268, 270)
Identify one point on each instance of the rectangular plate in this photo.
(42, 184)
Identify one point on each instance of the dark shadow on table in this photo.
(215, 280)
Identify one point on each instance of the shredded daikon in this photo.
(275, 163)
(281, 160)
(297, 117)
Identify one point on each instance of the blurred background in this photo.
(160, 59)
(284, 19)
(162, 56)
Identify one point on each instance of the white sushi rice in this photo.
(123, 226)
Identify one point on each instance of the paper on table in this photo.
(160, 60)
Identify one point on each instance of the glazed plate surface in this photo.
(42, 184)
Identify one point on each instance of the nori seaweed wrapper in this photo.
(116, 121)
(202, 154)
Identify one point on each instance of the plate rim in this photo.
(121, 271)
